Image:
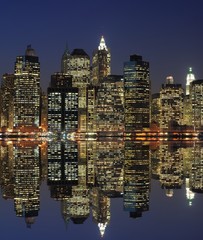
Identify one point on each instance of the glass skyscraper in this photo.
(136, 94)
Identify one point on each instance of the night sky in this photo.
(168, 34)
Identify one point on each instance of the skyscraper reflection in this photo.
(136, 178)
(84, 176)
(26, 181)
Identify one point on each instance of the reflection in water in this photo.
(83, 176)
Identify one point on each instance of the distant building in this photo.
(27, 90)
(196, 177)
(137, 90)
(62, 104)
(44, 111)
(101, 62)
(196, 97)
(109, 111)
(7, 95)
(187, 114)
(189, 79)
(155, 110)
(171, 104)
(65, 61)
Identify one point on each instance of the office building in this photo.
(27, 90)
(80, 71)
(187, 114)
(136, 94)
(189, 79)
(196, 97)
(171, 104)
(109, 111)
(101, 62)
(7, 88)
(62, 104)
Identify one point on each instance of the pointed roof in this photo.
(190, 75)
(66, 52)
(102, 45)
(102, 228)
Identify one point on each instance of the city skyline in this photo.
(168, 35)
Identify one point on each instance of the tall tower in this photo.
(136, 94)
(196, 96)
(109, 111)
(101, 62)
(190, 78)
(65, 61)
(80, 70)
(7, 88)
(62, 104)
(27, 89)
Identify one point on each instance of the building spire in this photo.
(102, 45)
(102, 227)
(190, 78)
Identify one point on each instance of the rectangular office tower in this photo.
(136, 94)
(27, 90)
(62, 104)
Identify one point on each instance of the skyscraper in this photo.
(187, 111)
(171, 104)
(136, 178)
(189, 79)
(27, 89)
(65, 61)
(62, 104)
(109, 111)
(7, 88)
(136, 94)
(80, 71)
(101, 62)
(196, 96)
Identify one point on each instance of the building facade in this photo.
(137, 89)
(171, 100)
(27, 90)
(109, 111)
(7, 88)
(196, 98)
(62, 104)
